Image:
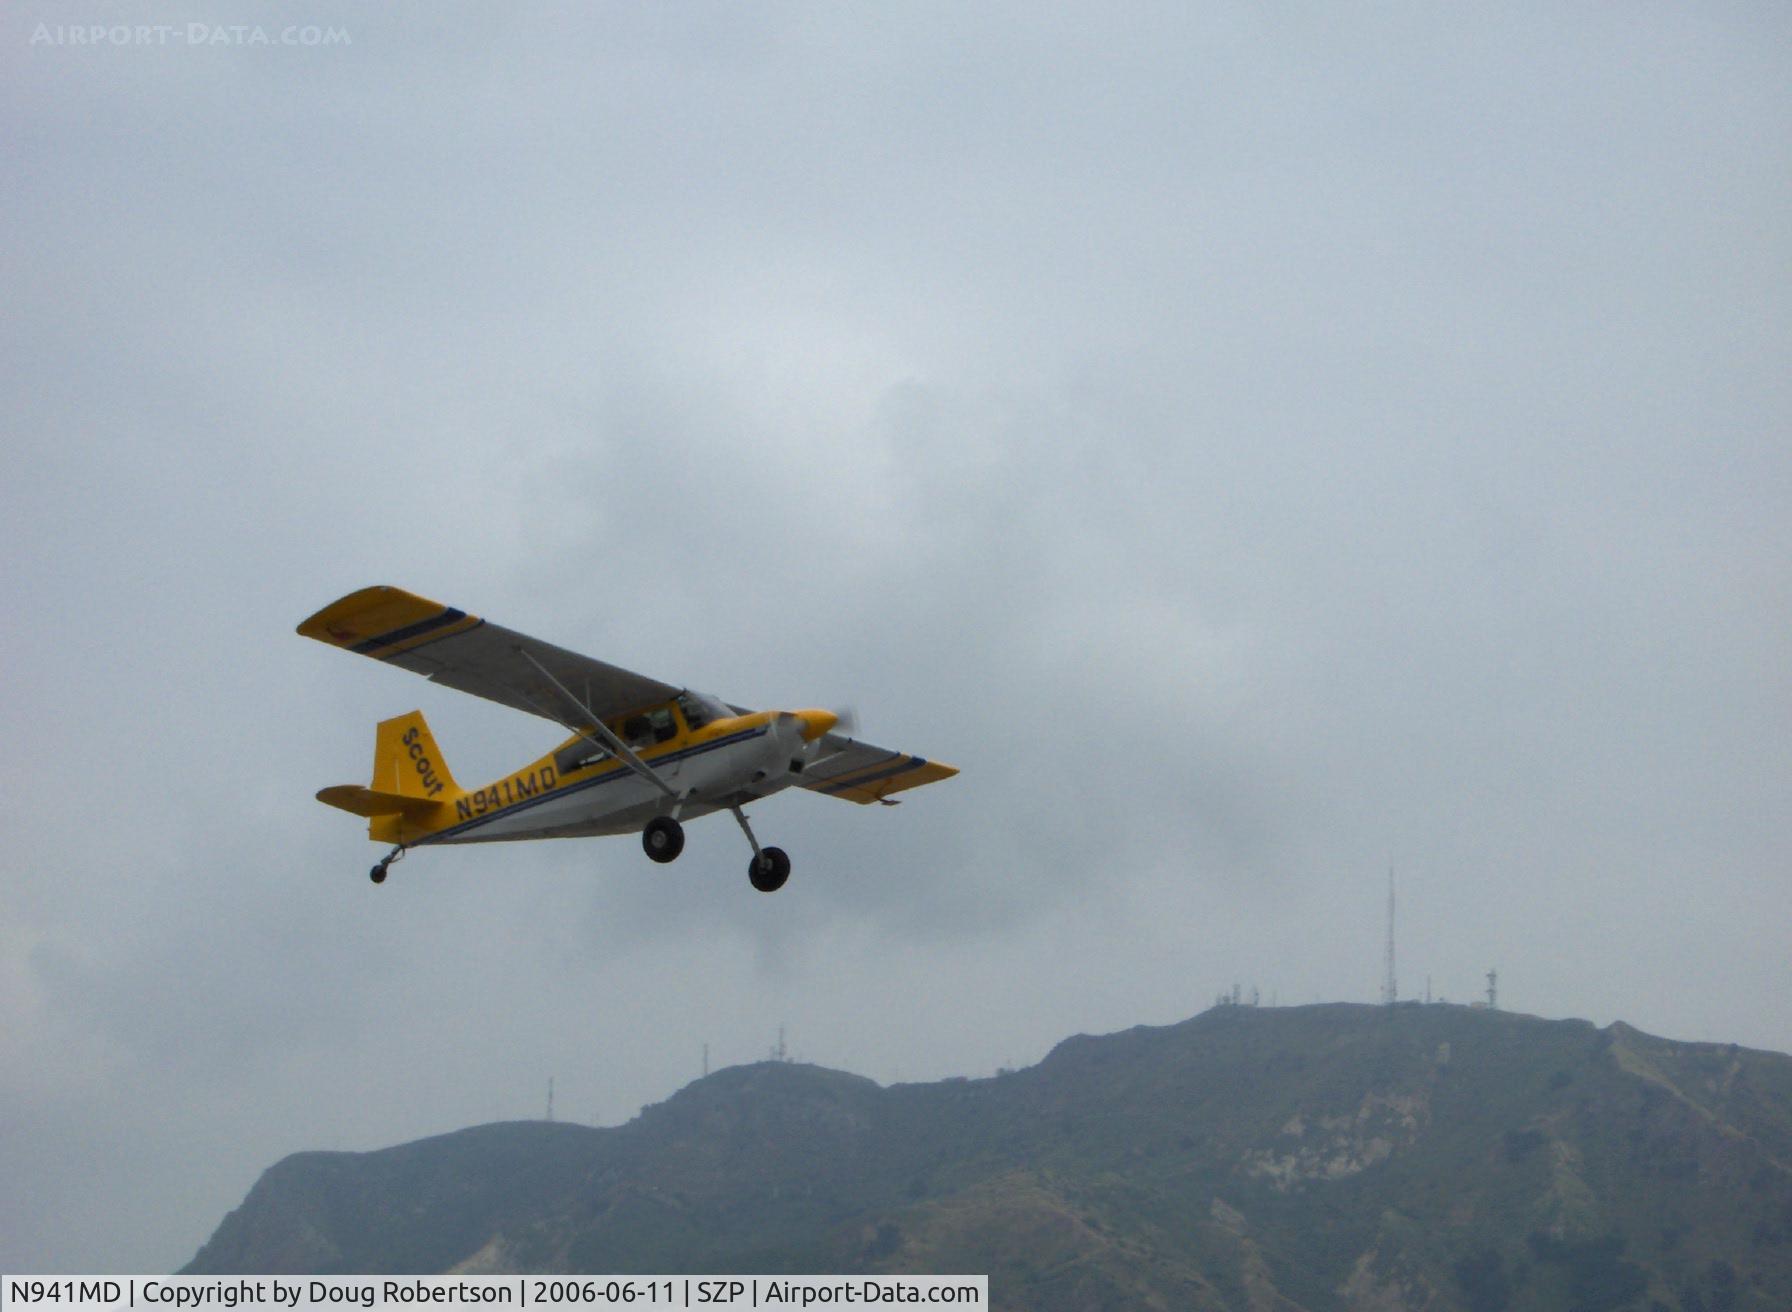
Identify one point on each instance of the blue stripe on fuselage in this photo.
(609, 776)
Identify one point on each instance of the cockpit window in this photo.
(700, 708)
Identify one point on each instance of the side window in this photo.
(649, 727)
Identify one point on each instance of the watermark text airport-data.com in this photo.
(93, 35)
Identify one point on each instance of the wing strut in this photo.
(598, 734)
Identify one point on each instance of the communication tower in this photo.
(550, 1097)
(1389, 993)
(1493, 990)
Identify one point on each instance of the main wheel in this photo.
(378, 873)
(769, 870)
(663, 838)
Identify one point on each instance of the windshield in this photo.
(700, 708)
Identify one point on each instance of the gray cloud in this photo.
(1256, 448)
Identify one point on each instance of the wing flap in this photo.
(463, 652)
(860, 772)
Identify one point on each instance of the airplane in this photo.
(644, 755)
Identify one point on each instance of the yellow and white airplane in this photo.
(643, 757)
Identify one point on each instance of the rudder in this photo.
(407, 762)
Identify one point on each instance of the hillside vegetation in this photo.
(1267, 1160)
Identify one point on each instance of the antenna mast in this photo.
(1389, 993)
(1493, 990)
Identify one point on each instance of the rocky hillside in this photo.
(1275, 1159)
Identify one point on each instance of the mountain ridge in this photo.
(1291, 1158)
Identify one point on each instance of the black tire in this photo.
(769, 870)
(378, 873)
(663, 838)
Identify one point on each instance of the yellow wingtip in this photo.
(366, 612)
(380, 620)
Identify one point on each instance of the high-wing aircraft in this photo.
(644, 756)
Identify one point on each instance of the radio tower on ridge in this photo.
(1389, 993)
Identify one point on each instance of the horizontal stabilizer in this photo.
(368, 802)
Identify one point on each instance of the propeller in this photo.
(801, 733)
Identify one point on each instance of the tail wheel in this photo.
(769, 870)
(663, 838)
(378, 873)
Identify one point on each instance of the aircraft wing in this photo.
(862, 773)
(464, 652)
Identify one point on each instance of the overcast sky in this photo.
(1258, 445)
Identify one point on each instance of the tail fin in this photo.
(407, 763)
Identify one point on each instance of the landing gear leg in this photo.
(769, 867)
(378, 873)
